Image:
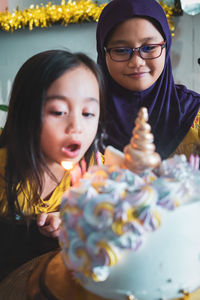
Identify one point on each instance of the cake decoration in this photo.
(133, 235)
(140, 153)
(113, 209)
(139, 156)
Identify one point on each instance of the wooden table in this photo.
(13, 287)
(43, 278)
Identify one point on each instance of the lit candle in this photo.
(67, 165)
(76, 171)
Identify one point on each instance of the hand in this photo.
(48, 224)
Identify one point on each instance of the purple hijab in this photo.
(172, 108)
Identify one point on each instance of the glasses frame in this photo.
(138, 49)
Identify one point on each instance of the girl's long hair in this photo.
(25, 164)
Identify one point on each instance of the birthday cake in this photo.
(134, 235)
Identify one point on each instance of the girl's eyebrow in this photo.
(93, 99)
(53, 97)
(116, 42)
(144, 40)
(60, 97)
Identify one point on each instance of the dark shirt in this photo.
(20, 243)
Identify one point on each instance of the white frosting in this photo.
(113, 156)
(167, 262)
(124, 234)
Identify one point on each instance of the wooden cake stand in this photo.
(47, 278)
(51, 280)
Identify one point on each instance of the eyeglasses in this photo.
(149, 51)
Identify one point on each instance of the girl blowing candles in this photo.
(133, 44)
(53, 116)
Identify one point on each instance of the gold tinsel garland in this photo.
(65, 13)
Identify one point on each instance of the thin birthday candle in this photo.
(194, 161)
(76, 171)
(68, 165)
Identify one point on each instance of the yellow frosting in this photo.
(191, 142)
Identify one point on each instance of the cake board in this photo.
(50, 280)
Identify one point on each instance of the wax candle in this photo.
(194, 161)
(76, 171)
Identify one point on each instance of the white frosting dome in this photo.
(124, 234)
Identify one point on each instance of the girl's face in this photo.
(135, 74)
(71, 115)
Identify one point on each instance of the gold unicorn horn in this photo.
(140, 153)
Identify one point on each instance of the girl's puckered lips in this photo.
(72, 149)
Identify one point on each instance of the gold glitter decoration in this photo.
(64, 14)
(169, 11)
(45, 16)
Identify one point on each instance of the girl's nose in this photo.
(74, 125)
(136, 60)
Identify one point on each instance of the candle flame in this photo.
(67, 165)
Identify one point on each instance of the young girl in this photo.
(53, 116)
(133, 44)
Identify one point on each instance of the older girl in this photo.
(133, 44)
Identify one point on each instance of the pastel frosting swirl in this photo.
(113, 209)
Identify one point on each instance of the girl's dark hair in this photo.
(21, 134)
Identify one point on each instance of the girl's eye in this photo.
(58, 113)
(148, 48)
(121, 51)
(88, 115)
